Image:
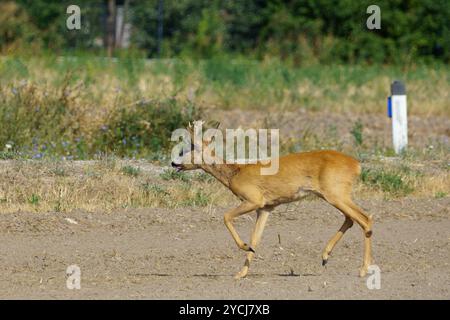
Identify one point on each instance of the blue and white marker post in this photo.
(397, 110)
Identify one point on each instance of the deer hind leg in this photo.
(367, 240)
(244, 208)
(261, 220)
(348, 223)
(351, 210)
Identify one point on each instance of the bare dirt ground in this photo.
(188, 254)
(422, 131)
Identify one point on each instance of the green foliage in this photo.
(50, 119)
(47, 19)
(200, 199)
(154, 189)
(300, 31)
(16, 29)
(171, 174)
(440, 194)
(204, 177)
(34, 199)
(357, 132)
(131, 171)
(39, 123)
(60, 172)
(393, 182)
(7, 155)
(145, 127)
(83, 106)
(209, 38)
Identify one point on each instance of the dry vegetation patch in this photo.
(106, 185)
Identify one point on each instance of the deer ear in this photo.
(190, 128)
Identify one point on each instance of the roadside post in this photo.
(397, 111)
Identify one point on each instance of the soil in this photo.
(189, 254)
(423, 132)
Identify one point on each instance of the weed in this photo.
(34, 199)
(154, 189)
(440, 194)
(171, 174)
(390, 182)
(79, 107)
(145, 127)
(357, 133)
(7, 155)
(203, 177)
(131, 171)
(200, 199)
(59, 171)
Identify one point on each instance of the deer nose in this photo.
(175, 165)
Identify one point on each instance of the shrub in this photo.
(171, 174)
(144, 128)
(392, 182)
(39, 123)
(357, 133)
(131, 171)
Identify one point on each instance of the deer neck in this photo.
(222, 172)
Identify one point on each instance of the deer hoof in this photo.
(246, 247)
(241, 274)
(324, 262)
(363, 271)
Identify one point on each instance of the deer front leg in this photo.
(245, 207)
(261, 220)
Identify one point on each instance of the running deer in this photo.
(326, 173)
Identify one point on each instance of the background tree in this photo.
(302, 31)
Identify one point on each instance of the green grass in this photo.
(392, 182)
(34, 199)
(200, 199)
(131, 171)
(82, 106)
(171, 174)
(203, 177)
(357, 133)
(440, 194)
(155, 189)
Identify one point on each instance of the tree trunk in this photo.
(124, 21)
(111, 27)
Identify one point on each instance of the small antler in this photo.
(213, 124)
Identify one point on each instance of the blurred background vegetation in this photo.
(139, 69)
(300, 31)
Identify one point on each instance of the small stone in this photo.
(72, 221)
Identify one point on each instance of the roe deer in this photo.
(327, 174)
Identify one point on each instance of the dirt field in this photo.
(188, 254)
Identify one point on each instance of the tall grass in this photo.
(78, 106)
(235, 82)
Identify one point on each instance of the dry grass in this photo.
(101, 85)
(42, 186)
(393, 177)
(93, 89)
(81, 101)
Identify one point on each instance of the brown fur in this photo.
(327, 174)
